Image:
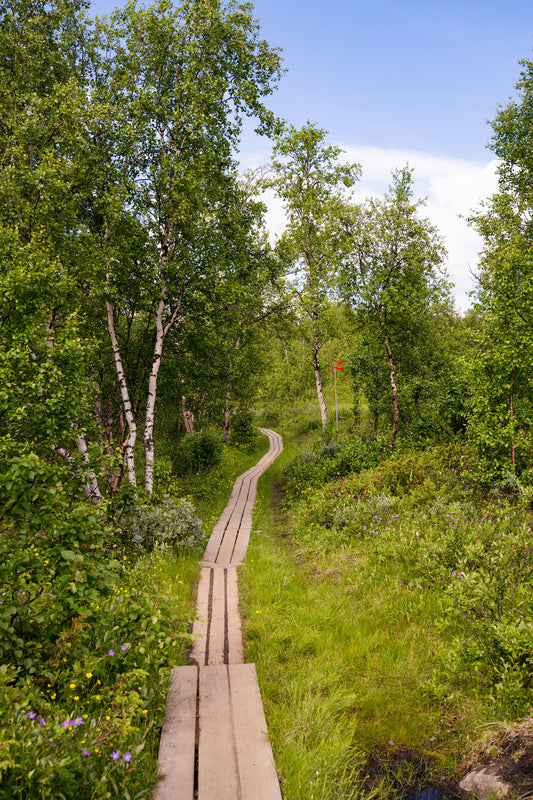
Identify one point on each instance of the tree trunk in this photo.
(318, 379)
(129, 444)
(188, 416)
(227, 412)
(150, 400)
(394, 388)
(229, 395)
(91, 489)
(511, 405)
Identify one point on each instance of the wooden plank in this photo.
(234, 633)
(257, 773)
(228, 545)
(200, 624)
(217, 622)
(218, 778)
(241, 546)
(177, 745)
(213, 545)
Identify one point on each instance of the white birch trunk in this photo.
(91, 489)
(188, 416)
(150, 400)
(318, 379)
(129, 445)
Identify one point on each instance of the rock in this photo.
(486, 783)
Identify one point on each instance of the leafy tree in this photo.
(391, 278)
(502, 413)
(178, 81)
(308, 177)
(47, 346)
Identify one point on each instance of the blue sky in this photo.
(401, 82)
(405, 74)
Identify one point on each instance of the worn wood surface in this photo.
(257, 772)
(215, 706)
(178, 738)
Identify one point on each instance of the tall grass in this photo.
(366, 640)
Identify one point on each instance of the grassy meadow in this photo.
(389, 614)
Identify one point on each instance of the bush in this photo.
(88, 725)
(329, 460)
(171, 523)
(85, 643)
(242, 432)
(271, 417)
(198, 452)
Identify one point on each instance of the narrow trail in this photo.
(214, 744)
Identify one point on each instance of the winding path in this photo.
(214, 744)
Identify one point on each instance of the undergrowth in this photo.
(389, 613)
(92, 618)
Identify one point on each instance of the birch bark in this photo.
(129, 444)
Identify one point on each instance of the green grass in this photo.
(356, 636)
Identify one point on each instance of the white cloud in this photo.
(453, 188)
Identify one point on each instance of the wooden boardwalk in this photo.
(214, 744)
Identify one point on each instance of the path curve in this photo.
(214, 744)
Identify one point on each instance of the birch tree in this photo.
(178, 80)
(309, 179)
(391, 276)
(501, 420)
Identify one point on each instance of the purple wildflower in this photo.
(127, 756)
(85, 752)
(110, 652)
(115, 755)
(32, 715)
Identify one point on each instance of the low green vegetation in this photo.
(389, 613)
(96, 606)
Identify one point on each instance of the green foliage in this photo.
(391, 276)
(242, 431)
(88, 723)
(328, 461)
(87, 632)
(197, 452)
(55, 557)
(169, 522)
(500, 369)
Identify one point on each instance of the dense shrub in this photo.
(271, 417)
(242, 432)
(197, 452)
(171, 522)
(56, 553)
(86, 633)
(330, 460)
(85, 725)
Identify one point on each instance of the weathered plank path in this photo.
(214, 744)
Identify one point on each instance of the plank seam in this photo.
(234, 735)
(209, 616)
(226, 619)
